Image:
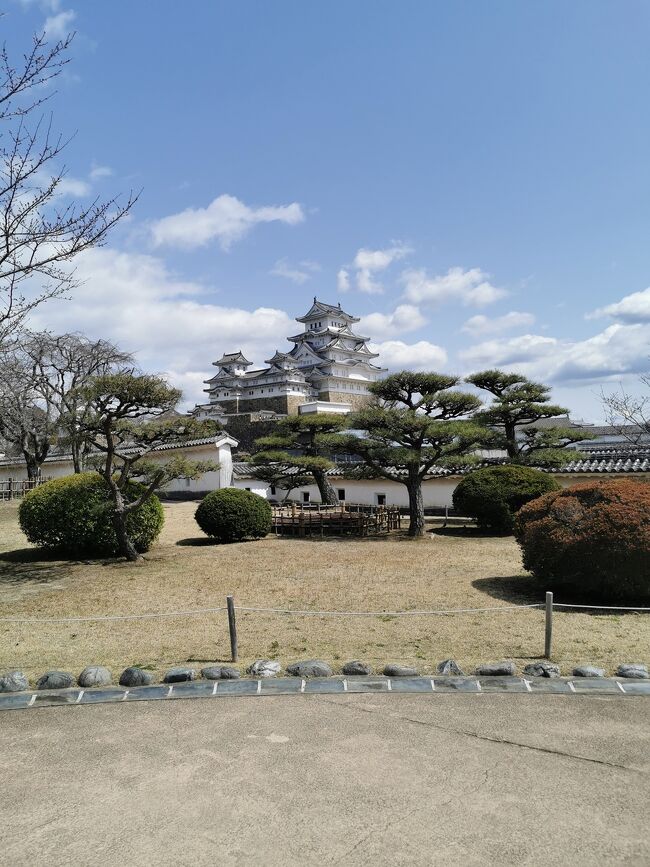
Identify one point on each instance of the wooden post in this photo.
(232, 627)
(548, 633)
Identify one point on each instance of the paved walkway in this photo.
(360, 779)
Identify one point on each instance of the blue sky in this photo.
(470, 178)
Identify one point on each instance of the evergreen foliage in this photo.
(418, 421)
(304, 443)
(232, 515)
(519, 403)
(131, 417)
(74, 515)
(493, 495)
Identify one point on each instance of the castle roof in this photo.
(232, 358)
(320, 308)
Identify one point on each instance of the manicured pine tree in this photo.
(131, 416)
(518, 403)
(304, 443)
(417, 421)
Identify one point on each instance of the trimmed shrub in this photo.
(73, 515)
(592, 539)
(231, 515)
(493, 495)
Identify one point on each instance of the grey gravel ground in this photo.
(356, 779)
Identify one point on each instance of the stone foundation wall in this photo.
(356, 401)
(284, 404)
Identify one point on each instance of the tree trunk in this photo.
(327, 493)
(125, 546)
(416, 506)
(512, 448)
(76, 457)
(33, 467)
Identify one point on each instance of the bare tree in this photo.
(39, 234)
(41, 403)
(28, 425)
(61, 365)
(628, 414)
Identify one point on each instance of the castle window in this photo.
(272, 490)
(381, 499)
(305, 496)
(341, 493)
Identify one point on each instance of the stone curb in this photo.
(320, 686)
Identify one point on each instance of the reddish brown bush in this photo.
(592, 539)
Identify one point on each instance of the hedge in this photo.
(231, 515)
(493, 495)
(592, 540)
(73, 515)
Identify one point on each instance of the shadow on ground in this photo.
(526, 590)
(27, 570)
(516, 589)
(467, 533)
(395, 536)
(196, 542)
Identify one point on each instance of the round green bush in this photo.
(592, 540)
(231, 515)
(493, 495)
(73, 515)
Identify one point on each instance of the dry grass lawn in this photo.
(182, 572)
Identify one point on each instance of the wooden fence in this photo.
(348, 519)
(15, 489)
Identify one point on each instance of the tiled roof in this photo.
(631, 460)
(58, 458)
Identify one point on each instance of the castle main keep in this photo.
(329, 368)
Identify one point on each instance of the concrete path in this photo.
(329, 779)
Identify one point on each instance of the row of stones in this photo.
(97, 675)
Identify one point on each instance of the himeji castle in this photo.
(329, 368)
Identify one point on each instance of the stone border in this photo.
(321, 686)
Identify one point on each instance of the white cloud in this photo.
(484, 325)
(631, 308)
(509, 351)
(368, 263)
(45, 5)
(343, 280)
(58, 26)
(397, 355)
(296, 273)
(471, 287)
(100, 172)
(226, 219)
(617, 351)
(134, 300)
(405, 317)
(73, 187)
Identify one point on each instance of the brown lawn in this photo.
(182, 572)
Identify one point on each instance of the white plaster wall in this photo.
(436, 492)
(52, 470)
(255, 487)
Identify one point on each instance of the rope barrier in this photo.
(600, 607)
(310, 613)
(201, 611)
(441, 611)
(196, 613)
